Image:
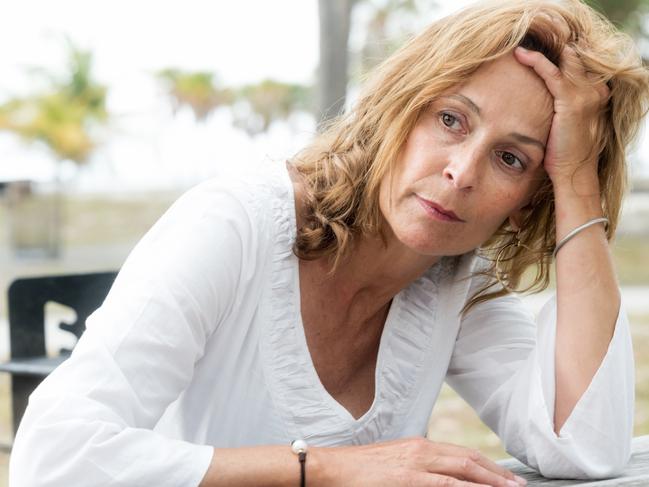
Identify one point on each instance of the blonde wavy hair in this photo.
(343, 166)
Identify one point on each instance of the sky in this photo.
(146, 145)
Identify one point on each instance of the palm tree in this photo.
(63, 118)
(197, 90)
(254, 106)
(260, 104)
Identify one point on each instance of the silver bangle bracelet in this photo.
(574, 232)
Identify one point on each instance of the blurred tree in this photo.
(258, 105)
(335, 20)
(387, 24)
(254, 106)
(197, 90)
(63, 118)
(64, 115)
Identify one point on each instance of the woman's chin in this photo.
(422, 244)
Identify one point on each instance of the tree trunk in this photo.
(335, 18)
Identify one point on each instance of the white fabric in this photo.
(200, 343)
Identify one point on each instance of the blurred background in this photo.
(110, 110)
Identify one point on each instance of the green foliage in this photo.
(626, 14)
(197, 90)
(81, 86)
(268, 101)
(62, 116)
(388, 24)
(254, 106)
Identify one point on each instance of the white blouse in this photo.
(200, 343)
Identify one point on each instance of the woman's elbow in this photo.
(586, 462)
(53, 453)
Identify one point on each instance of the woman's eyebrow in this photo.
(524, 139)
(467, 101)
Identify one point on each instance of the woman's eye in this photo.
(450, 120)
(510, 160)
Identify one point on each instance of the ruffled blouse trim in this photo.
(306, 407)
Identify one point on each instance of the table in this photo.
(635, 474)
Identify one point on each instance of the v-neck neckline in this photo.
(311, 370)
(307, 409)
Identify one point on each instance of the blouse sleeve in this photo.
(90, 422)
(503, 366)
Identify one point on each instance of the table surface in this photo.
(636, 472)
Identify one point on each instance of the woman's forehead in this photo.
(506, 90)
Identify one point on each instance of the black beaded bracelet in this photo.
(299, 447)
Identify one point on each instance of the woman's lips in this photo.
(437, 211)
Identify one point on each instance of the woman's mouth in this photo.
(438, 211)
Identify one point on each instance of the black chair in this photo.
(29, 363)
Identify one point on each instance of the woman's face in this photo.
(473, 159)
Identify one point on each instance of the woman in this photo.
(327, 301)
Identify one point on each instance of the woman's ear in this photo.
(517, 217)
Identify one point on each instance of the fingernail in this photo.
(520, 480)
(522, 49)
(511, 483)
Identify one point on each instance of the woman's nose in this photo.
(462, 170)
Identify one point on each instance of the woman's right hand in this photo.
(412, 462)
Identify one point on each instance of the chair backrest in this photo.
(84, 293)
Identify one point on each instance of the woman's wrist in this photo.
(582, 182)
(576, 200)
(268, 466)
(319, 470)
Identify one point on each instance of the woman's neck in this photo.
(371, 273)
(380, 267)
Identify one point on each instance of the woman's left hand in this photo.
(587, 292)
(577, 113)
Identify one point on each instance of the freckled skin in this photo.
(468, 162)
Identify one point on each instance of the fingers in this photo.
(435, 480)
(422, 463)
(477, 458)
(602, 88)
(556, 78)
(549, 72)
(468, 469)
(572, 66)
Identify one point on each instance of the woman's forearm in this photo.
(588, 297)
(409, 461)
(261, 466)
